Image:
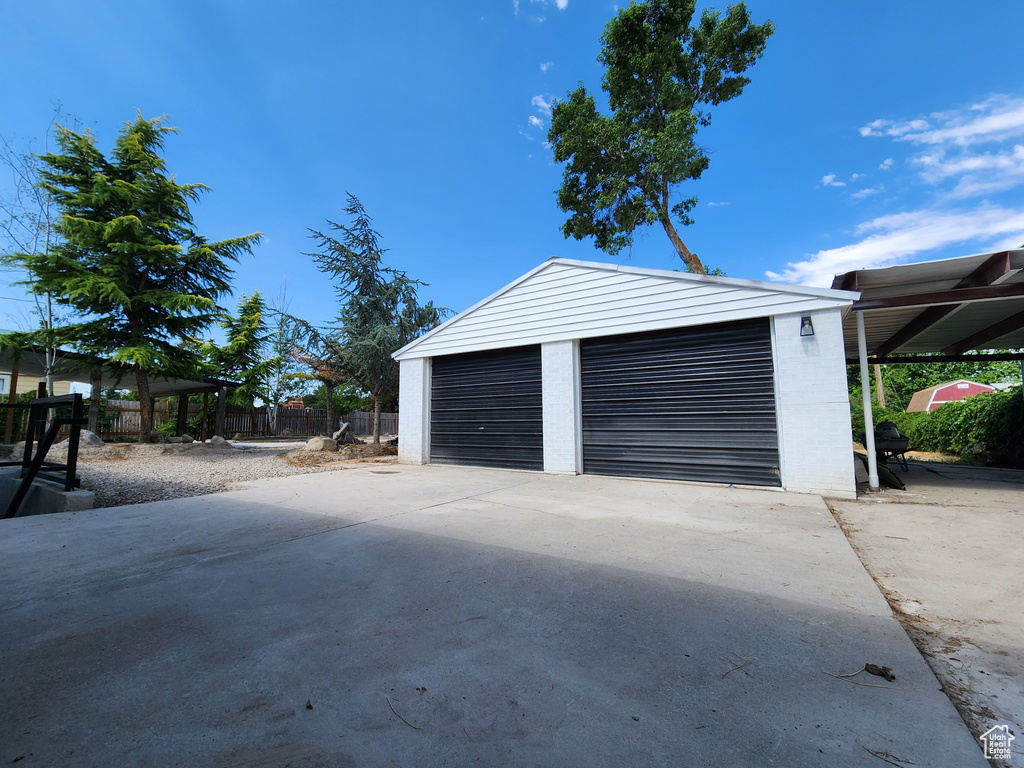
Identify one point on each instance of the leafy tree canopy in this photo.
(662, 75)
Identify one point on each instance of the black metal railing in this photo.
(38, 441)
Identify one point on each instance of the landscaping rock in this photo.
(90, 439)
(320, 444)
(218, 440)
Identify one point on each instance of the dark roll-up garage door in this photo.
(685, 404)
(485, 409)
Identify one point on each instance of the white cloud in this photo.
(996, 119)
(975, 174)
(860, 194)
(536, 122)
(525, 135)
(515, 6)
(712, 205)
(829, 180)
(542, 104)
(894, 238)
(886, 164)
(855, 176)
(546, 66)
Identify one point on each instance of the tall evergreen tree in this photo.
(245, 355)
(128, 261)
(379, 309)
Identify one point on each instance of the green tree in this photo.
(128, 261)
(379, 310)
(661, 75)
(245, 355)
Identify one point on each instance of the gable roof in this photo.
(566, 299)
(922, 399)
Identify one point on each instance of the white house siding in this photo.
(813, 405)
(414, 411)
(564, 300)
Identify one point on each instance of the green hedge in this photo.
(989, 426)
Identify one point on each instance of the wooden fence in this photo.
(121, 418)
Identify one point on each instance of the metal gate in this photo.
(485, 409)
(685, 404)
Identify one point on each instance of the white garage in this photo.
(583, 367)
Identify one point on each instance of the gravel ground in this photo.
(135, 480)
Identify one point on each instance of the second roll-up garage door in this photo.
(485, 409)
(685, 404)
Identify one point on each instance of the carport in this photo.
(30, 360)
(935, 311)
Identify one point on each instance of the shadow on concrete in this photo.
(199, 640)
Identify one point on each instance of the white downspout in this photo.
(869, 417)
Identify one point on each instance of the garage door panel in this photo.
(485, 409)
(687, 404)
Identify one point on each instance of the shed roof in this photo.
(950, 306)
(566, 299)
(922, 399)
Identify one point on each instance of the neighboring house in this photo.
(950, 392)
(29, 384)
(612, 370)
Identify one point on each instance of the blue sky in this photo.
(873, 133)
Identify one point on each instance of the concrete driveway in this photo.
(448, 616)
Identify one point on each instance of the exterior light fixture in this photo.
(806, 327)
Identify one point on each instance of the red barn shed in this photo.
(931, 398)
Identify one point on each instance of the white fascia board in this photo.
(833, 298)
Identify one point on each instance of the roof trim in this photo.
(688, 277)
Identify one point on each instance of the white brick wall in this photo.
(560, 397)
(414, 411)
(813, 405)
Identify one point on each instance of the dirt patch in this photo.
(301, 458)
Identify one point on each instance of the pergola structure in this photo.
(100, 373)
(936, 311)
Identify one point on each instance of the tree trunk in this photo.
(12, 397)
(690, 259)
(220, 417)
(145, 403)
(879, 389)
(330, 408)
(96, 386)
(182, 424)
(376, 419)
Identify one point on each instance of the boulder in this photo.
(287, 433)
(218, 440)
(156, 436)
(90, 439)
(187, 439)
(320, 444)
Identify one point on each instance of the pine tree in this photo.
(128, 261)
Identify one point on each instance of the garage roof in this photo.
(951, 306)
(565, 299)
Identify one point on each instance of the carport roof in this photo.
(72, 366)
(950, 307)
